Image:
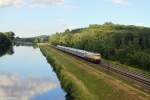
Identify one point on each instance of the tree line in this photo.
(127, 44)
(6, 40)
(34, 40)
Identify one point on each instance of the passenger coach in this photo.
(90, 56)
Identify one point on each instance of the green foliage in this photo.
(4, 40)
(5, 45)
(10, 35)
(127, 44)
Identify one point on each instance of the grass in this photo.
(131, 68)
(83, 82)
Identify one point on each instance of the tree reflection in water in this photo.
(6, 50)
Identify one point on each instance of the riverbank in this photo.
(83, 82)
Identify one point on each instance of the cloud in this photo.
(38, 3)
(12, 87)
(120, 2)
(7, 3)
(16, 3)
(70, 6)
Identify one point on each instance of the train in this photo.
(89, 56)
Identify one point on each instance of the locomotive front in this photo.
(93, 57)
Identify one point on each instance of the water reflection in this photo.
(26, 44)
(26, 75)
(13, 87)
(23, 43)
(6, 50)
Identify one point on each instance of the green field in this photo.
(83, 82)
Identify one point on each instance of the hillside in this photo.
(127, 44)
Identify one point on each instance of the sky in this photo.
(44, 17)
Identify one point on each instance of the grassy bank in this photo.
(83, 82)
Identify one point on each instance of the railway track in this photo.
(145, 81)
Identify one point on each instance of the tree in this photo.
(10, 35)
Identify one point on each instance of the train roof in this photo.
(82, 51)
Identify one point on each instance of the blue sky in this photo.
(38, 17)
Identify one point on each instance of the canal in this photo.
(26, 75)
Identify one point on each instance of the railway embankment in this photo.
(83, 82)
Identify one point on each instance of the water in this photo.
(26, 75)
